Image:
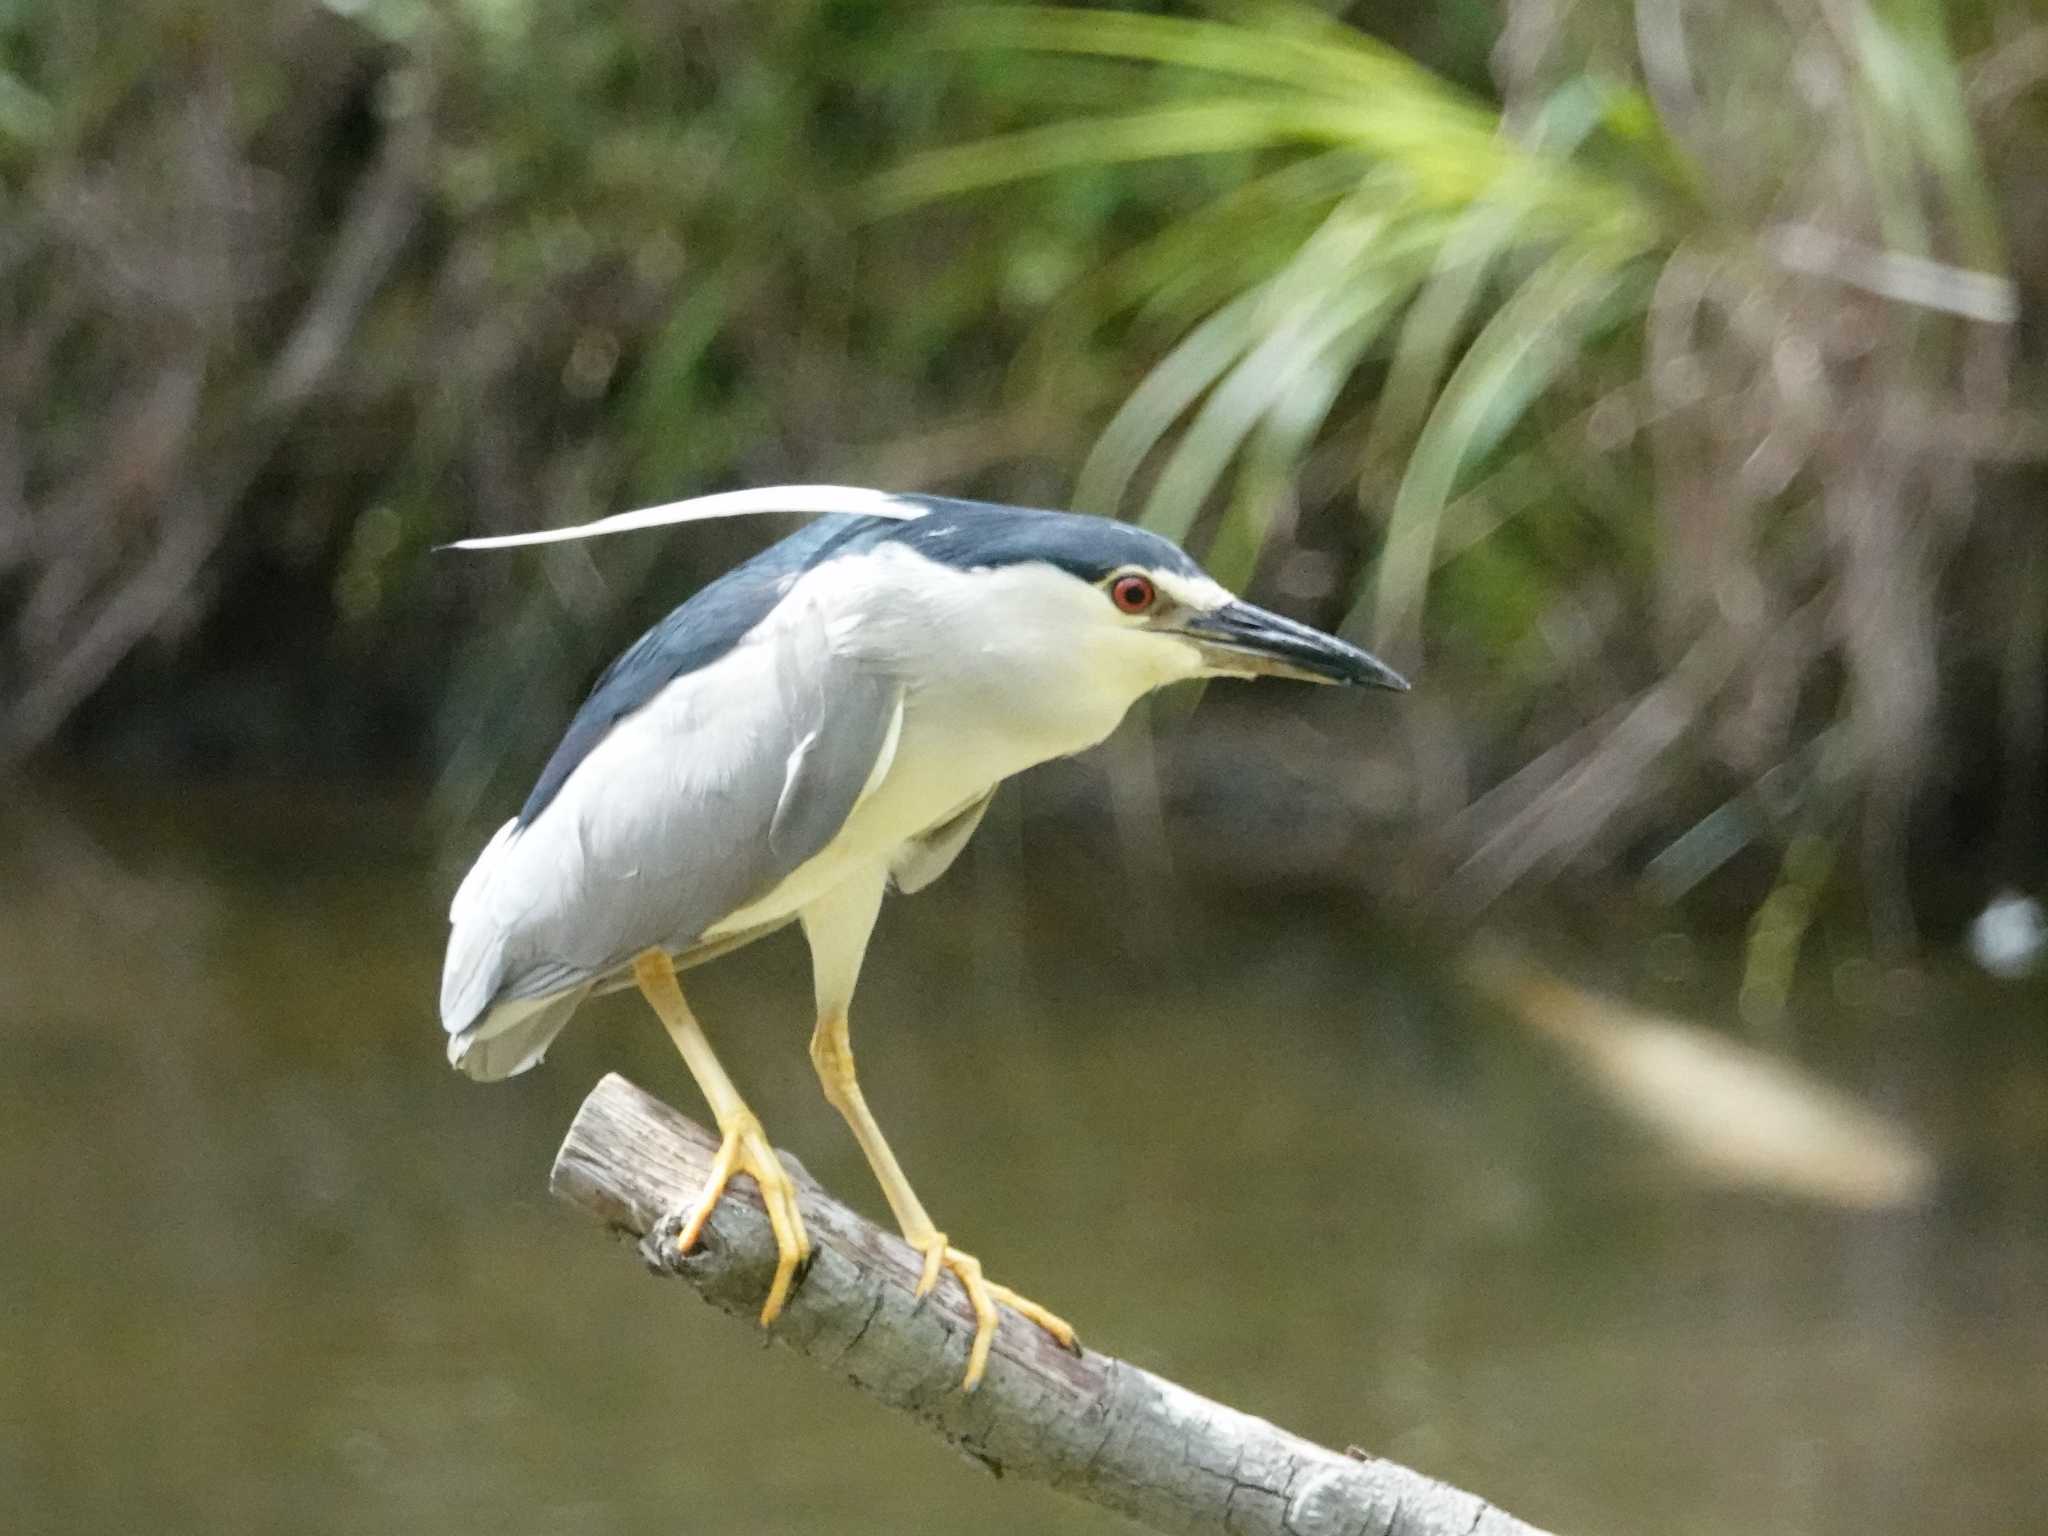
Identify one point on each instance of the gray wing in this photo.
(923, 859)
(692, 807)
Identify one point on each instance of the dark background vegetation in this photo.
(1698, 394)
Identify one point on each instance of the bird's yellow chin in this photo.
(1137, 660)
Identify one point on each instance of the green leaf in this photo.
(1510, 362)
(1175, 383)
(1470, 248)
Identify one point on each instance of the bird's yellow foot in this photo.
(746, 1150)
(983, 1295)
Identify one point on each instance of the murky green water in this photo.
(269, 1266)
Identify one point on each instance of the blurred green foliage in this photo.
(1634, 357)
(414, 270)
(1644, 376)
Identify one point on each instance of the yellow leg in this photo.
(743, 1148)
(832, 1055)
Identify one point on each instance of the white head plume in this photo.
(769, 498)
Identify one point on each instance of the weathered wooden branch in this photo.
(1096, 1427)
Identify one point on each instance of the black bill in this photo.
(1251, 642)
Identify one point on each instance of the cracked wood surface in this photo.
(1099, 1428)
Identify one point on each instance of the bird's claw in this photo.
(744, 1149)
(935, 1251)
(983, 1295)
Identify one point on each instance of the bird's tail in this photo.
(491, 1034)
(513, 1035)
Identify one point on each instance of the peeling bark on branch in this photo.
(1096, 1427)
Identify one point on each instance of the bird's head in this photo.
(1035, 612)
(1125, 601)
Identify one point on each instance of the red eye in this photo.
(1132, 594)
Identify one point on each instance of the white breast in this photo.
(1001, 670)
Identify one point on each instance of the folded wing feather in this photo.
(695, 805)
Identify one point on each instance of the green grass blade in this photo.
(1261, 383)
(1174, 384)
(1304, 56)
(1468, 253)
(1914, 87)
(1283, 437)
(1509, 363)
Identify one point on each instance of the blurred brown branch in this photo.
(1727, 1111)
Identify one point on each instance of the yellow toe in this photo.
(983, 1295)
(744, 1149)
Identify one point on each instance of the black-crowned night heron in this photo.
(828, 719)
